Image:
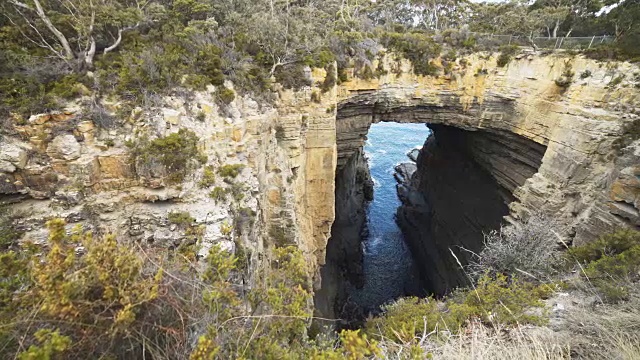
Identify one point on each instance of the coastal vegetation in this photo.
(55, 51)
(85, 295)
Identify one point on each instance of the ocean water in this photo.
(387, 261)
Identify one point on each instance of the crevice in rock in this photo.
(460, 187)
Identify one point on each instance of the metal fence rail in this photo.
(567, 43)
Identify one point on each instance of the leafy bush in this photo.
(230, 171)
(8, 232)
(530, 247)
(292, 76)
(566, 79)
(607, 245)
(505, 301)
(25, 94)
(102, 303)
(417, 47)
(281, 313)
(226, 95)
(506, 54)
(218, 194)
(330, 80)
(181, 218)
(496, 300)
(208, 177)
(611, 263)
(178, 153)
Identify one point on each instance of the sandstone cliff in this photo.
(507, 142)
(507, 139)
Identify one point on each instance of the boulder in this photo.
(64, 147)
(12, 157)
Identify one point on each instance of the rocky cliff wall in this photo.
(582, 126)
(461, 189)
(507, 142)
(62, 165)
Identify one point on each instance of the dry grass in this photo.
(607, 331)
(480, 342)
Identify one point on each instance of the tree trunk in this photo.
(90, 54)
(59, 35)
(555, 29)
(535, 47)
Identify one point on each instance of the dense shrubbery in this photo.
(230, 171)
(611, 263)
(178, 153)
(418, 47)
(87, 298)
(506, 54)
(498, 301)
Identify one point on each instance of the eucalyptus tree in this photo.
(75, 30)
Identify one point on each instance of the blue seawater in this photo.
(387, 264)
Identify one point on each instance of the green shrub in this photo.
(366, 73)
(97, 304)
(330, 80)
(404, 319)
(178, 153)
(496, 300)
(209, 64)
(218, 194)
(230, 171)
(201, 116)
(417, 47)
(585, 74)
(506, 54)
(226, 95)
(237, 191)
(505, 301)
(242, 257)
(316, 97)
(27, 94)
(180, 218)
(208, 177)
(342, 75)
(292, 76)
(9, 235)
(610, 263)
(566, 79)
(606, 245)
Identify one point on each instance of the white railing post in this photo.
(591, 43)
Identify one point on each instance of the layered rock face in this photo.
(354, 188)
(496, 123)
(461, 189)
(508, 142)
(64, 166)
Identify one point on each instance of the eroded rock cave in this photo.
(463, 181)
